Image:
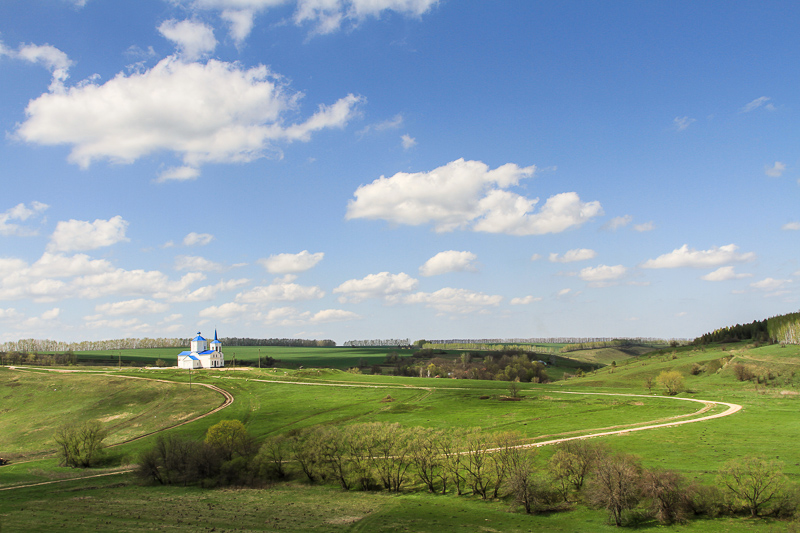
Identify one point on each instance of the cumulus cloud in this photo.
(454, 301)
(209, 292)
(776, 170)
(681, 123)
(581, 254)
(381, 285)
(201, 112)
(525, 300)
(468, 195)
(725, 273)
(408, 141)
(50, 57)
(762, 101)
(332, 315)
(617, 222)
(79, 235)
(182, 173)
(684, 257)
(646, 226)
(21, 213)
(602, 273)
(131, 307)
(390, 124)
(449, 261)
(197, 239)
(770, 284)
(291, 263)
(328, 16)
(194, 39)
(280, 291)
(791, 226)
(197, 264)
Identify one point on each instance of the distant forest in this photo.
(40, 346)
(784, 329)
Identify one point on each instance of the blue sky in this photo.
(354, 169)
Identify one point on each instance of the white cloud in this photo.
(183, 173)
(194, 39)
(408, 141)
(725, 273)
(197, 264)
(468, 195)
(209, 292)
(525, 300)
(20, 212)
(684, 257)
(564, 292)
(133, 325)
(449, 261)
(776, 170)
(291, 263)
(50, 57)
(581, 254)
(280, 292)
(328, 16)
(770, 284)
(454, 301)
(762, 101)
(131, 307)
(390, 124)
(681, 123)
(197, 239)
(617, 222)
(602, 273)
(646, 226)
(535, 257)
(202, 112)
(79, 235)
(382, 285)
(225, 311)
(333, 315)
(61, 266)
(133, 282)
(791, 226)
(240, 22)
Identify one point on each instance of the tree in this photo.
(649, 382)
(513, 388)
(668, 494)
(752, 482)
(615, 484)
(231, 438)
(571, 463)
(272, 457)
(672, 381)
(80, 445)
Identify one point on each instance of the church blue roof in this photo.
(207, 352)
(194, 358)
(215, 341)
(185, 353)
(198, 338)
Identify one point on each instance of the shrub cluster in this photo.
(387, 456)
(509, 365)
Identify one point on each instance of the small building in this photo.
(201, 355)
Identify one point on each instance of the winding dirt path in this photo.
(732, 408)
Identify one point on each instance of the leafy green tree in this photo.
(231, 438)
(752, 482)
(672, 381)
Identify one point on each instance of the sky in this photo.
(422, 169)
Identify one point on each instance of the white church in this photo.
(200, 355)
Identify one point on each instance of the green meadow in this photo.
(279, 400)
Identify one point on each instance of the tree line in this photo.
(508, 365)
(493, 466)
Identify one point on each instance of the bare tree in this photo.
(668, 493)
(572, 462)
(424, 455)
(615, 484)
(477, 464)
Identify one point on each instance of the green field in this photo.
(277, 401)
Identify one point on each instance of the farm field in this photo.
(277, 401)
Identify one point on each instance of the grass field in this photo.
(274, 401)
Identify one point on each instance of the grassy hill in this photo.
(277, 401)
